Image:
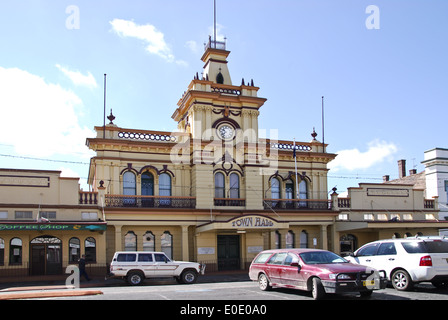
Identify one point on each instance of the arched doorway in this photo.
(46, 255)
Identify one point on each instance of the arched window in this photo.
(149, 243)
(275, 188)
(303, 239)
(15, 251)
(303, 193)
(277, 240)
(165, 188)
(2, 252)
(234, 186)
(147, 184)
(290, 239)
(130, 241)
(74, 250)
(220, 78)
(129, 188)
(129, 183)
(219, 185)
(166, 242)
(289, 189)
(90, 249)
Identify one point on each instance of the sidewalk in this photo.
(57, 287)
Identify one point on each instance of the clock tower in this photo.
(213, 107)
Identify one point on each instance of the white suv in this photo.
(135, 266)
(407, 261)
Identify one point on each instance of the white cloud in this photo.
(78, 78)
(192, 45)
(353, 159)
(153, 38)
(39, 118)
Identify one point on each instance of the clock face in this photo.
(226, 131)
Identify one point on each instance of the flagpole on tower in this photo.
(214, 22)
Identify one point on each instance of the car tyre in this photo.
(263, 283)
(401, 280)
(135, 278)
(189, 277)
(317, 289)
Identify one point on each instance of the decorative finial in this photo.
(111, 117)
(314, 134)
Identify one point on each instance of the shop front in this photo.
(47, 249)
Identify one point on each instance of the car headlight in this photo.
(339, 276)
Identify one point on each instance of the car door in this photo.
(147, 264)
(385, 258)
(290, 274)
(164, 267)
(274, 267)
(365, 255)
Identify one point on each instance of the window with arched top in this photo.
(303, 239)
(149, 243)
(2, 252)
(166, 242)
(234, 186)
(275, 188)
(220, 78)
(90, 249)
(130, 241)
(219, 185)
(165, 188)
(15, 251)
(290, 239)
(147, 184)
(74, 248)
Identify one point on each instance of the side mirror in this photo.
(296, 264)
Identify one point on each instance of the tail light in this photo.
(426, 261)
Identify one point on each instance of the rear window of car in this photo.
(126, 257)
(262, 257)
(426, 246)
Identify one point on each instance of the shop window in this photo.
(74, 250)
(90, 249)
(130, 241)
(234, 186)
(2, 252)
(303, 239)
(289, 241)
(219, 185)
(149, 243)
(15, 251)
(166, 241)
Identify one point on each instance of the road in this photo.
(243, 290)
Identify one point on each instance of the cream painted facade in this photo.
(46, 223)
(213, 191)
(375, 211)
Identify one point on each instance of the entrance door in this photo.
(46, 256)
(229, 252)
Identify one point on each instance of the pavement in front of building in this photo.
(57, 288)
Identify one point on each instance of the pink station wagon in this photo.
(318, 271)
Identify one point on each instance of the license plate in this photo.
(366, 283)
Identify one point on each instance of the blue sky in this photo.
(385, 88)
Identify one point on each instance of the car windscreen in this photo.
(426, 246)
(319, 257)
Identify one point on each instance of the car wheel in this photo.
(135, 278)
(401, 280)
(263, 282)
(318, 290)
(189, 277)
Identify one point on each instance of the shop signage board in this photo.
(249, 222)
(51, 227)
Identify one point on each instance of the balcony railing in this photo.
(229, 202)
(121, 201)
(297, 204)
(86, 197)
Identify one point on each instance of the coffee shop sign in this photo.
(252, 221)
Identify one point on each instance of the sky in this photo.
(380, 65)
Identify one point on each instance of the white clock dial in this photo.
(226, 131)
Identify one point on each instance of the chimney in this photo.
(386, 178)
(401, 168)
(412, 171)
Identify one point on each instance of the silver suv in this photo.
(135, 266)
(407, 261)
